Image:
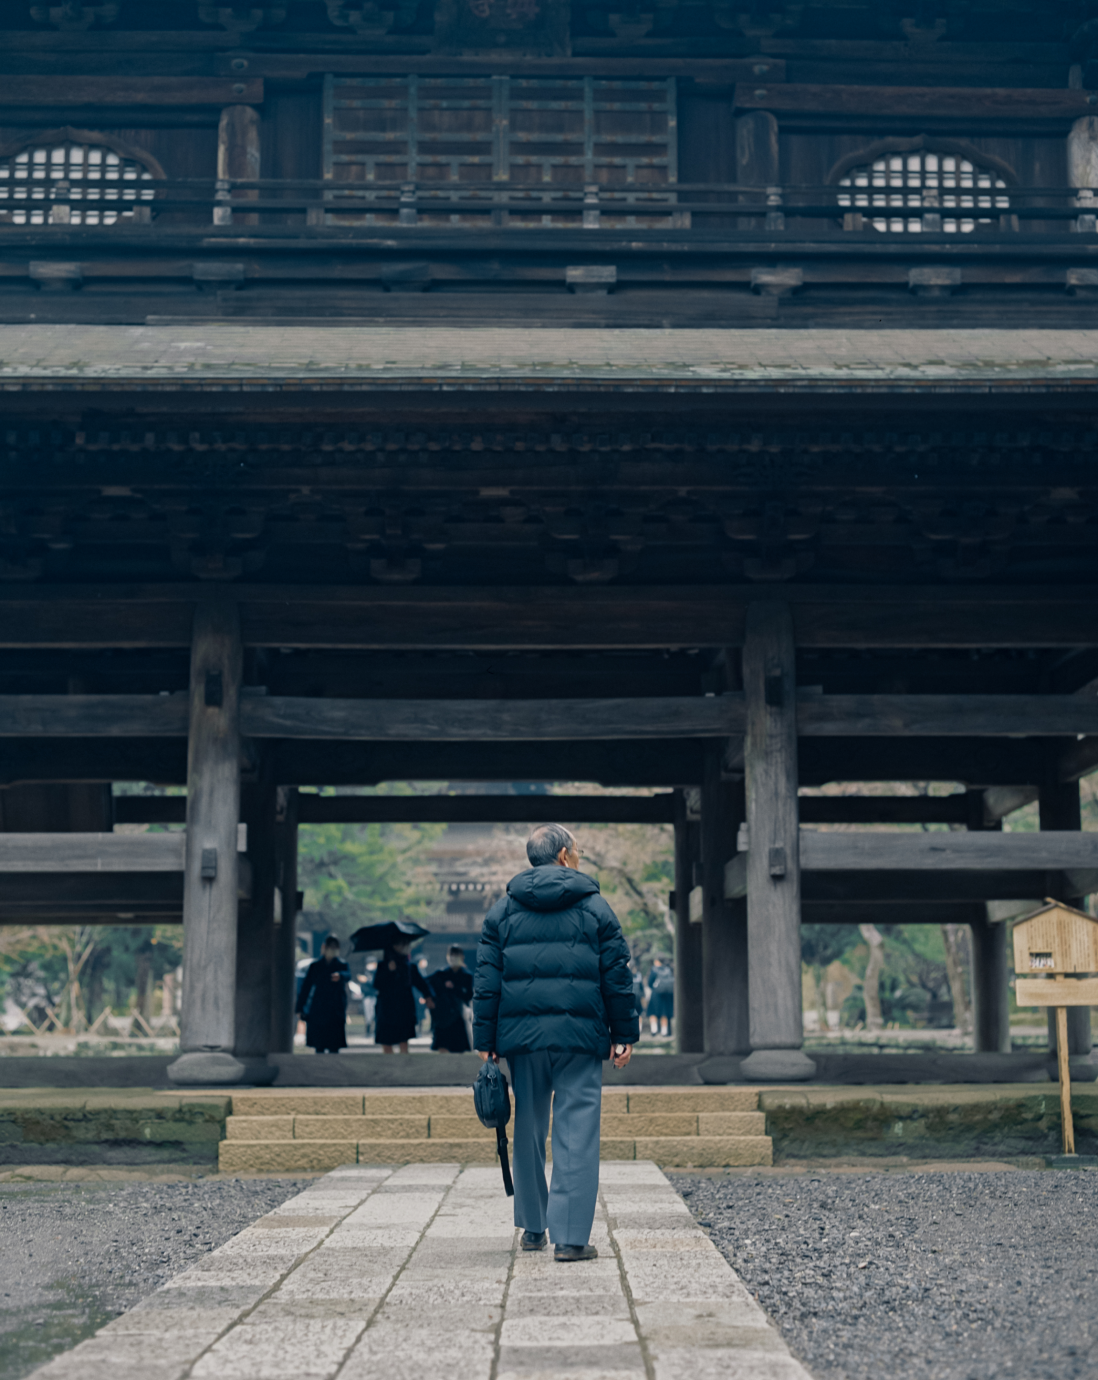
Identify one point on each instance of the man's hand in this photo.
(622, 1058)
(429, 1003)
(485, 1056)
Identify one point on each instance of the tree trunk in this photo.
(955, 945)
(144, 986)
(872, 985)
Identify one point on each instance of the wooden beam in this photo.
(103, 898)
(941, 716)
(914, 102)
(485, 809)
(885, 887)
(872, 809)
(130, 91)
(92, 852)
(538, 619)
(432, 809)
(93, 716)
(714, 72)
(892, 912)
(886, 850)
(867, 851)
(546, 720)
(453, 721)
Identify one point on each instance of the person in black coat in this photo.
(453, 987)
(322, 1000)
(395, 1015)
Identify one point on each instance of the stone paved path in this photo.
(406, 1273)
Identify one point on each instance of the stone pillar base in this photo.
(778, 1066)
(216, 1068)
(720, 1068)
(1081, 1067)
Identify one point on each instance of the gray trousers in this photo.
(574, 1084)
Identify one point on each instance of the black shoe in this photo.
(534, 1240)
(574, 1253)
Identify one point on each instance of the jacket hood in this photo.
(551, 887)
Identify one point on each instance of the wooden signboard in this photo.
(1051, 943)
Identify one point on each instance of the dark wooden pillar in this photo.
(724, 923)
(238, 155)
(990, 972)
(689, 1021)
(756, 159)
(284, 947)
(990, 987)
(255, 927)
(211, 868)
(1058, 805)
(773, 858)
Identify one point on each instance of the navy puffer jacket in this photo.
(553, 969)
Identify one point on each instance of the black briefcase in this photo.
(492, 1100)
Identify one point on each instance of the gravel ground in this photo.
(924, 1276)
(72, 1256)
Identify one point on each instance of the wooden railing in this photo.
(820, 209)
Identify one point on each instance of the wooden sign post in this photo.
(1053, 943)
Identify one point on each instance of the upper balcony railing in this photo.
(802, 211)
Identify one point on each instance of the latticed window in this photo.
(896, 192)
(551, 144)
(74, 181)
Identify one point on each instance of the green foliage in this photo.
(635, 868)
(822, 945)
(116, 961)
(914, 977)
(356, 874)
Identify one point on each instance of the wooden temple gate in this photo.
(701, 401)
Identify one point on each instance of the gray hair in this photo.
(544, 844)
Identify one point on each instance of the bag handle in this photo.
(501, 1148)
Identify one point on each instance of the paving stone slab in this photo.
(563, 1360)
(283, 1349)
(414, 1271)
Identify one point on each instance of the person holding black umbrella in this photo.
(322, 1000)
(395, 1015)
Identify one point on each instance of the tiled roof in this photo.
(277, 357)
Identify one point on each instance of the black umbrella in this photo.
(384, 934)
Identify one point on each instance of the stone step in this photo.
(458, 1102)
(615, 1126)
(270, 1156)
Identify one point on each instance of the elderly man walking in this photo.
(554, 996)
